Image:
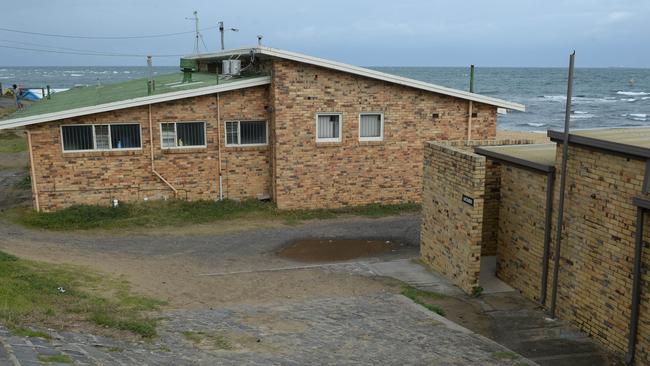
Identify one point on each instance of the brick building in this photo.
(253, 122)
(602, 285)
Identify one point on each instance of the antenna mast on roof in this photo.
(197, 34)
(222, 30)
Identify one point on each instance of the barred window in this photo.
(328, 127)
(101, 137)
(244, 133)
(371, 126)
(182, 134)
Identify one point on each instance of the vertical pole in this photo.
(560, 213)
(221, 30)
(196, 29)
(636, 287)
(150, 72)
(49, 92)
(32, 171)
(470, 108)
(471, 78)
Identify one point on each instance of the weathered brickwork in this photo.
(522, 215)
(310, 174)
(97, 177)
(598, 245)
(451, 229)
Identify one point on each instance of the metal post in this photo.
(550, 183)
(636, 287)
(150, 87)
(49, 92)
(471, 78)
(221, 30)
(560, 213)
(259, 40)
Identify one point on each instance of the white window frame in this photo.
(110, 141)
(205, 136)
(332, 139)
(381, 127)
(239, 144)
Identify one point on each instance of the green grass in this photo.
(213, 340)
(505, 355)
(11, 142)
(424, 298)
(176, 212)
(30, 294)
(55, 359)
(25, 332)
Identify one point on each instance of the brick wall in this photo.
(97, 177)
(451, 229)
(522, 215)
(598, 245)
(352, 172)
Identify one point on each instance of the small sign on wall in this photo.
(469, 200)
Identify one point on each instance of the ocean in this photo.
(604, 97)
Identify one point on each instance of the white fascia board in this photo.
(136, 102)
(362, 71)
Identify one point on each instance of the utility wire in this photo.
(88, 53)
(100, 37)
(22, 44)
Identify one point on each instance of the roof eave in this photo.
(274, 52)
(598, 144)
(135, 102)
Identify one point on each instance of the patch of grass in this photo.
(54, 295)
(11, 142)
(55, 359)
(477, 291)
(505, 355)
(424, 298)
(215, 341)
(177, 212)
(25, 183)
(26, 332)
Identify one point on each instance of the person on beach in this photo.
(17, 96)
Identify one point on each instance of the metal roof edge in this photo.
(625, 149)
(642, 202)
(135, 102)
(362, 71)
(513, 160)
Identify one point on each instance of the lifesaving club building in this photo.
(247, 123)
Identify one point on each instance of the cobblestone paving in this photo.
(384, 329)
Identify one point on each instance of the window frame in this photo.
(239, 121)
(330, 139)
(205, 136)
(381, 127)
(110, 144)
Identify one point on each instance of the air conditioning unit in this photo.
(231, 67)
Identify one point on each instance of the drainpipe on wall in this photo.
(636, 282)
(32, 172)
(153, 166)
(550, 183)
(219, 147)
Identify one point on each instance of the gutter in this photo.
(153, 166)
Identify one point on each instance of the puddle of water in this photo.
(324, 250)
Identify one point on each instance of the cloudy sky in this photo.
(367, 32)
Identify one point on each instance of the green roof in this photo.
(88, 96)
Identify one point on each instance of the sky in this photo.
(522, 33)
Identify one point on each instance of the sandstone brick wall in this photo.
(451, 229)
(351, 172)
(598, 246)
(643, 335)
(97, 177)
(522, 215)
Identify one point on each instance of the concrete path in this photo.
(383, 329)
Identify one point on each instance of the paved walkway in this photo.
(385, 329)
